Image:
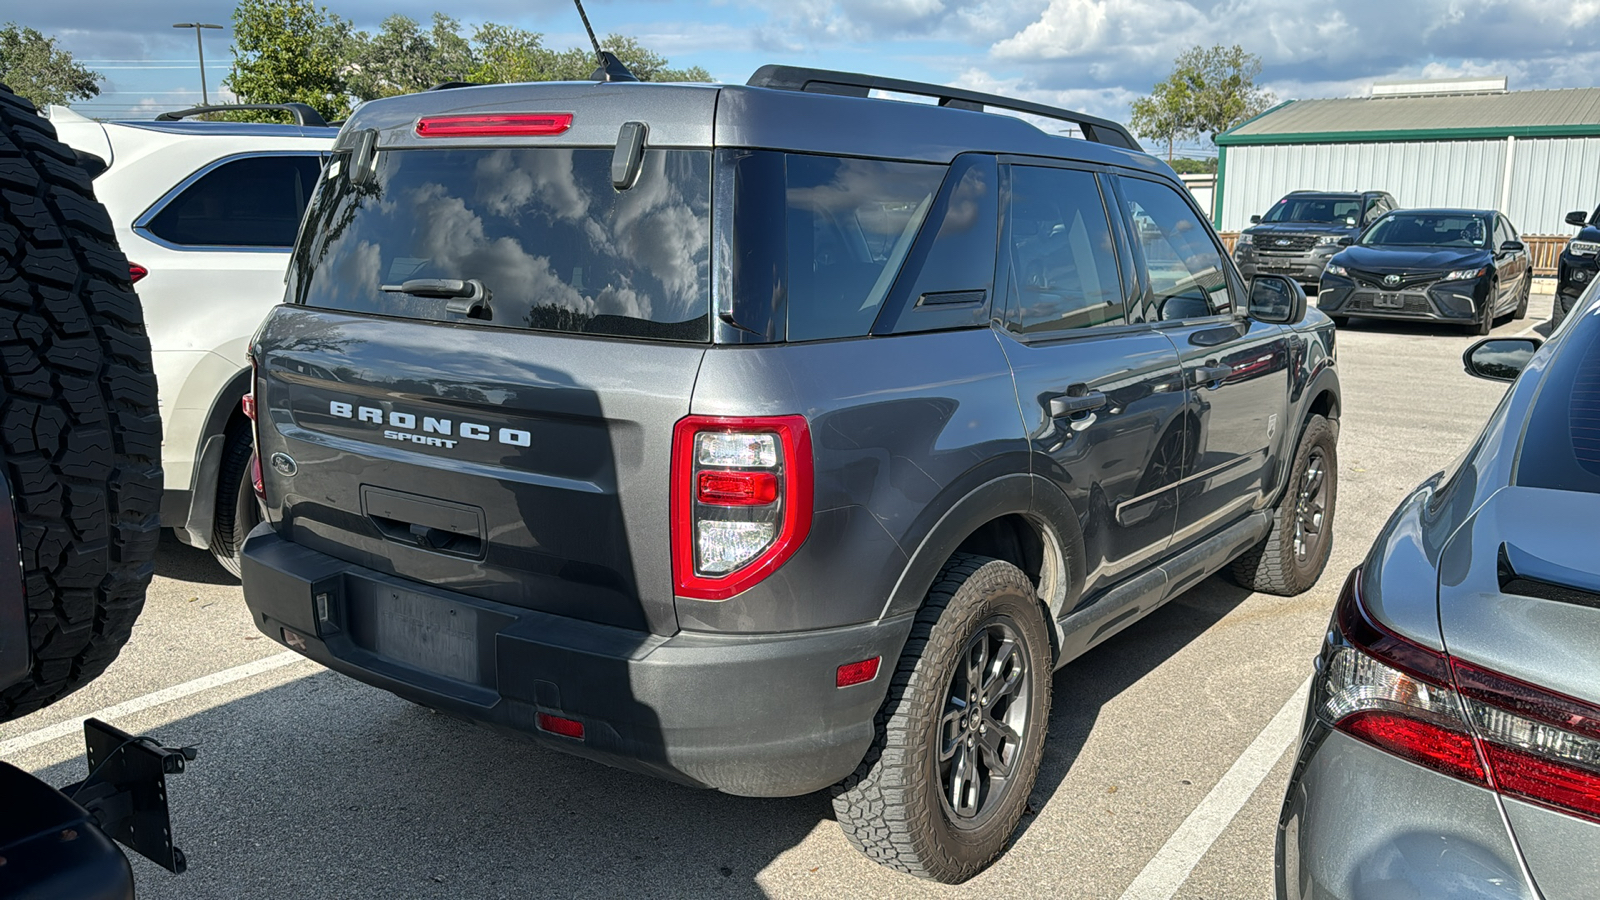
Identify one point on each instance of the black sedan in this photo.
(1459, 265)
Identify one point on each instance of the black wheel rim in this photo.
(1310, 511)
(985, 722)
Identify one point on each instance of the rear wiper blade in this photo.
(467, 297)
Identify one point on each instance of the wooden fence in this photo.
(1544, 248)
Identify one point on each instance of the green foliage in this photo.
(1195, 166)
(1210, 90)
(509, 54)
(290, 51)
(402, 58)
(32, 66)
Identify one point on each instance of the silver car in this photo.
(1451, 745)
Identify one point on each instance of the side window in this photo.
(946, 279)
(1064, 271)
(1379, 207)
(255, 201)
(850, 223)
(1188, 278)
(1502, 233)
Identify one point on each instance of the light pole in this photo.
(204, 100)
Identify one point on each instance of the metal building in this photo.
(1534, 155)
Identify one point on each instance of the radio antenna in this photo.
(610, 68)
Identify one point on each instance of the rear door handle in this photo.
(1076, 404)
(1210, 375)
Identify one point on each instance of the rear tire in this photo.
(237, 510)
(1292, 556)
(80, 436)
(1559, 310)
(982, 615)
(1522, 299)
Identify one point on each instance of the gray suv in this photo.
(1304, 229)
(770, 438)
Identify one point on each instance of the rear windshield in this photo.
(1561, 448)
(543, 230)
(1322, 210)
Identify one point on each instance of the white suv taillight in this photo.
(741, 500)
(1454, 717)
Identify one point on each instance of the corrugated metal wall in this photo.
(1549, 176)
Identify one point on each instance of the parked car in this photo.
(1579, 263)
(206, 212)
(1301, 232)
(732, 486)
(1451, 745)
(1463, 265)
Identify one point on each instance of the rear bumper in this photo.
(1359, 823)
(755, 715)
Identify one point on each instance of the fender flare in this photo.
(196, 527)
(1326, 380)
(1027, 495)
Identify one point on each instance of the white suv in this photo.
(207, 213)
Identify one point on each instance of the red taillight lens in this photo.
(255, 476)
(494, 125)
(858, 672)
(1458, 718)
(248, 405)
(741, 500)
(136, 272)
(737, 488)
(571, 728)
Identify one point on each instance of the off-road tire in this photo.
(80, 435)
(1558, 311)
(1273, 566)
(891, 807)
(237, 510)
(1522, 299)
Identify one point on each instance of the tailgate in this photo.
(521, 467)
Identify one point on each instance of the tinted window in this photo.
(1410, 229)
(1187, 275)
(1561, 449)
(1326, 210)
(251, 202)
(1063, 268)
(557, 247)
(850, 223)
(947, 275)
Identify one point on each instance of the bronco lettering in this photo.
(404, 426)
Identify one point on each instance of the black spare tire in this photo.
(80, 435)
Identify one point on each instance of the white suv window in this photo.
(250, 201)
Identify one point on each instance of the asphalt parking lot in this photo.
(1167, 757)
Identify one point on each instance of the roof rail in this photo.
(303, 115)
(850, 84)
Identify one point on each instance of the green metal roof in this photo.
(1566, 113)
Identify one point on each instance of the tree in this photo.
(402, 58)
(1210, 90)
(290, 51)
(1195, 166)
(31, 65)
(508, 54)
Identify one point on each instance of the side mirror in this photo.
(1578, 218)
(1256, 220)
(1512, 247)
(1347, 241)
(1276, 299)
(1499, 359)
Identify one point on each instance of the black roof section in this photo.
(303, 115)
(850, 84)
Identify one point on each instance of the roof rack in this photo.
(850, 84)
(304, 115)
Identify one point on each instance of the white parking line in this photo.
(1170, 867)
(139, 704)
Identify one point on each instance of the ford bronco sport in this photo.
(770, 437)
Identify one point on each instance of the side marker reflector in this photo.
(571, 728)
(858, 672)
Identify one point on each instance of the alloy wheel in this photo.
(1311, 506)
(984, 723)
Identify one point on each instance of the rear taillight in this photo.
(1457, 718)
(136, 272)
(741, 501)
(248, 406)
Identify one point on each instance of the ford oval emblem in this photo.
(1283, 242)
(284, 464)
(1391, 280)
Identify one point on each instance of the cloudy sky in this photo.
(1092, 55)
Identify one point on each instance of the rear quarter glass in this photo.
(557, 247)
